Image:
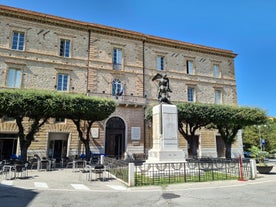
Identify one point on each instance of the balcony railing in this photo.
(122, 100)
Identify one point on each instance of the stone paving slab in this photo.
(62, 179)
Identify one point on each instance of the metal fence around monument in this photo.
(117, 168)
(194, 170)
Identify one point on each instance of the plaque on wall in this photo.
(95, 133)
(135, 133)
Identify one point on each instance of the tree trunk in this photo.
(189, 135)
(87, 150)
(24, 152)
(192, 148)
(228, 150)
(26, 139)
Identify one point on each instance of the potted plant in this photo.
(260, 156)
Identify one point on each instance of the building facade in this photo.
(47, 52)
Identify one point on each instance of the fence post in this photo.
(102, 159)
(131, 174)
(253, 168)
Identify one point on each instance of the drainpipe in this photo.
(143, 63)
(88, 59)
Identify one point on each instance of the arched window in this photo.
(117, 88)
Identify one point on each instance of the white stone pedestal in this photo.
(165, 139)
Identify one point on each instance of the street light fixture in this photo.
(261, 143)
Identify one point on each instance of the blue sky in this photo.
(247, 27)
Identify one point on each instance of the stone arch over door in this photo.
(115, 138)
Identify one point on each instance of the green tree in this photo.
(228, 120)
(84, 111)
(267, 131)
(192, 117)
(36, 106)
(271, 135)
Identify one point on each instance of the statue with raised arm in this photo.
(163, 88)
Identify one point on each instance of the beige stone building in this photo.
(48, 52)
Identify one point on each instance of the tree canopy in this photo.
(267, 131)
(26, 103)
(191, 117)
(227, 119)
(38, 106)
(84, 111)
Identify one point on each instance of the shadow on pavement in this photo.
(14, 197)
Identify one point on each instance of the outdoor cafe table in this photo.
(14, 170)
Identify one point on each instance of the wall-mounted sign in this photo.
(135, 133)
(95, 132)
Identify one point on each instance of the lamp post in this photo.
(259, 127)
(261, 143)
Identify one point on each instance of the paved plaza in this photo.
(62, 179)
(65, 188)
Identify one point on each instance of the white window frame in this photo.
(62, 82)
(117, 88)
(216, 71)
(190, 67)
(218, 96)
(16, 42)
(14, 80)
(117, 58)
(191, 94)
(66, 52)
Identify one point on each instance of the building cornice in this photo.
(85, 26)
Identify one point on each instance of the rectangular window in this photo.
(160, 63)
(62, 82)
(218, 97)
(14, 78)
(18, 40)
(117, 59)
(216, 71)
(64, 49)
(191, 94)
(189, 67)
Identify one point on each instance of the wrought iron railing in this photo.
(191, 171)
(117, 168)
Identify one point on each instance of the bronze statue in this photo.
(163, 88)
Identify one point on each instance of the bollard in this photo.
(241, 170)
(131, 174)
(253, 169)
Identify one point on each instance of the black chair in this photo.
(34, 163)
(20, 170)
(99, 171)
(45, 164)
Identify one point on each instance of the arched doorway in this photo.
(115, 138)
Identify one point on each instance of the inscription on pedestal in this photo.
(165, 139)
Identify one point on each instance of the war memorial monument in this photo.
(165, 127)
